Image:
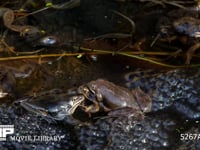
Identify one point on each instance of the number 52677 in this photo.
(190, 136)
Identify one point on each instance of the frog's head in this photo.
(71, 105)
(84, 90)
(92, 86)
(54, 109)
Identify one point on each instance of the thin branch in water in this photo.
(127, 18)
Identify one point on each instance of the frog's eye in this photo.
(68, 107)
(83, 89)
(74, 99)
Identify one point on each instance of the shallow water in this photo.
(175, 93)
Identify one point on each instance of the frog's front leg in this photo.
(99, 95)
(91, 108)
(100, 101)
(105, 108)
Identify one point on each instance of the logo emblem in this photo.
(5, 130)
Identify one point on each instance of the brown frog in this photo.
(106, 96)
(8, 19)
(186, 23)
(190, 27)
